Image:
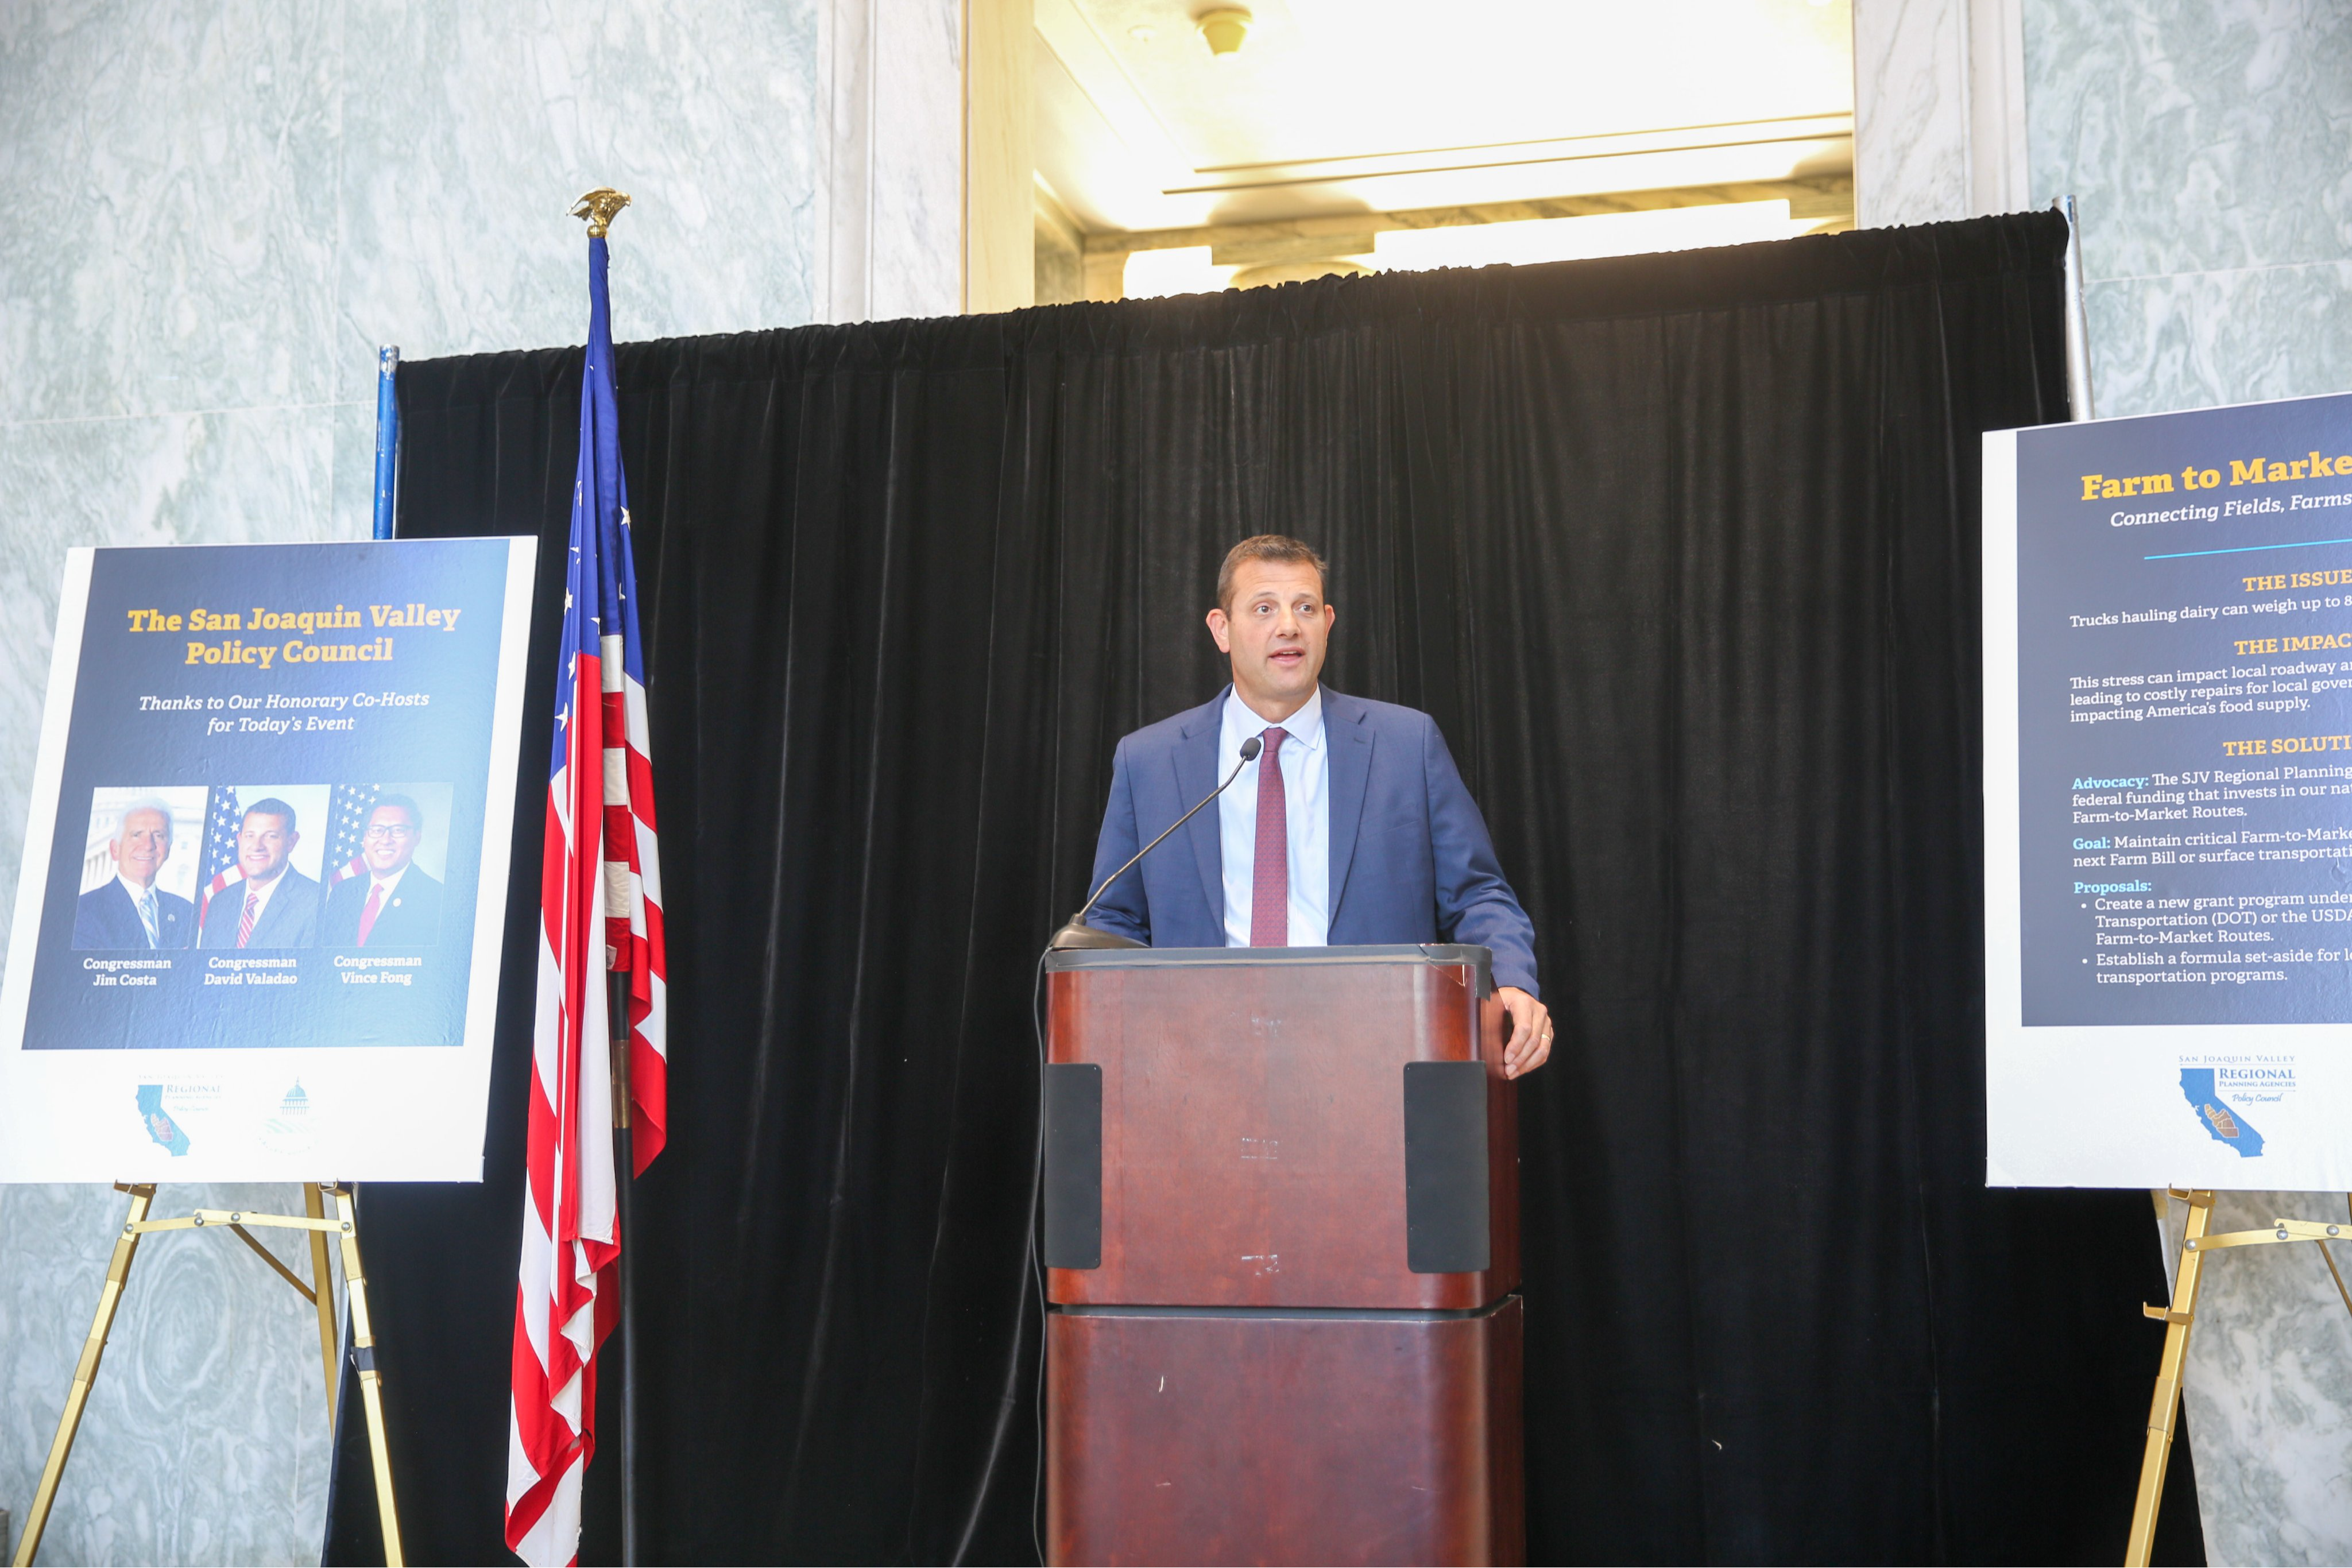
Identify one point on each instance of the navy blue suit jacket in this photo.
(290, 918)
(105, 917)
(412, 918)
(1410, 861)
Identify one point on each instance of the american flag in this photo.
(599, 900)
(218, 869)
(347, 813)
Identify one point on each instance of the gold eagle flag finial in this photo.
(600, 207)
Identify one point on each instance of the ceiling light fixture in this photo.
(1224, 29)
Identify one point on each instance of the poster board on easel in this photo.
(2168, 786)
(260, 910)
(202, 698)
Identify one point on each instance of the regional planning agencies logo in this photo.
(2222, 1096)
(161, 1126)
(178, 1116)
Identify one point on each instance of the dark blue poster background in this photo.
(2185, 718)
(198, 670)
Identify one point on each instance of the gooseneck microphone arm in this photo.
(1078, 933)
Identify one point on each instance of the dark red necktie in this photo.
(1270, 871)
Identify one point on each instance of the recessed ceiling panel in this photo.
(1319, 80)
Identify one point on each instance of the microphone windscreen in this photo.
(1251, 747)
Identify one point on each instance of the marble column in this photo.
(890, 205)
(1938, 109)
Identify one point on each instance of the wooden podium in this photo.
(1281, 1241)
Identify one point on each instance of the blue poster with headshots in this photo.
(260, 907)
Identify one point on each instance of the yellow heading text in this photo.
(301, 649)
(2242, 471)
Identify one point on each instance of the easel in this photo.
(318, 1293)
(2165, 1412)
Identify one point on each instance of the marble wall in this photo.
(2209, 147)
(216, 210)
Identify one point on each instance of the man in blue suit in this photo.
(130, 911)
(395, 905)
(272, 905)
(1350, 827)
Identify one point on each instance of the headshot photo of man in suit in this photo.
(275, 905)
(395, 905)
(1350, 827)
(130, 911)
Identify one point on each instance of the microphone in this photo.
(1078, 933)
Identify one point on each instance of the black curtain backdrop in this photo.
(1682, 552)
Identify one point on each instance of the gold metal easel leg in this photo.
(126, 1246)
(323, 1294)
(2165, 1411)
(371, 1389)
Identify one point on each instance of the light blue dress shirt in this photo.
(1306, 796)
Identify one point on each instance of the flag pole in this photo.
(387, 438)
(625, 1169)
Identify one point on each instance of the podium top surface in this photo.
(1444, 952)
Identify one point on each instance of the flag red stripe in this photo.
(641, 787)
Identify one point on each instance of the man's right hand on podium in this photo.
(1530, 1041)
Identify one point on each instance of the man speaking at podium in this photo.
(1349, 827)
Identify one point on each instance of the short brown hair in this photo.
(1266, 547)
